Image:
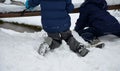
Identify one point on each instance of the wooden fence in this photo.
(36, 13)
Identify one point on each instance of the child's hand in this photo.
(27, 5)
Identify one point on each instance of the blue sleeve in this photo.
(82, 21)
(69, 6)
(34, 3)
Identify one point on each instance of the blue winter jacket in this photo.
(93, 13)
(55, 17)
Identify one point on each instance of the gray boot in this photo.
(74, 44)
(44, 47)
(48, 44)
(77, 47)
(96, 43)
(2, 1)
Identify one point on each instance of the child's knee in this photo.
(66, 35)
(56, 40)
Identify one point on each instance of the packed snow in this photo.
(18, 52)
(7, 6)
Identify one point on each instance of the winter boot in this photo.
(96, 43)
(51, 42)
(92, 40)
(75, 46)
(44, 47)
(2, 1)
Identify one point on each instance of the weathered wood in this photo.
(19, 14)
(37, 13)
(114, 7)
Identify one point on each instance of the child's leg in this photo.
(115, 30)
(56, 40)
(91, 35)
(117, 34)
(66, 36)
(74, 44)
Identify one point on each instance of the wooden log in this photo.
(37, 13)
(111, 7)
(19, 14)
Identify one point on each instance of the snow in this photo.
(18, 51)
(8, 7)
(113, 2)
(7, 1)
(34, 20)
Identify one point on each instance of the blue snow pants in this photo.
(91, 33)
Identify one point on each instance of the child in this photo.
(95, 21)
(56, 22)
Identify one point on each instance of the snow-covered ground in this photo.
(8, 7)
(18, 51)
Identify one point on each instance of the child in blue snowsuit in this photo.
(94, 21)
(56, 22)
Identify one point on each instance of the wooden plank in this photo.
(19, 14)
(37, 13)
(113, 7)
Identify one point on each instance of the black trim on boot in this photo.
(82, 51)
